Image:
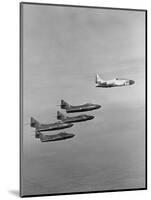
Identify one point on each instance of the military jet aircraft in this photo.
(56, 137)
(112, 83)
(80, 108)
(78, 118)
(48, 127)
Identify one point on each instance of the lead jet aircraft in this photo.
(112, 83)
(74, 119)
(56, 137)
(48, 127)
(80, 108)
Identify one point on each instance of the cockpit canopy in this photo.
(120, 79)
(88, 104)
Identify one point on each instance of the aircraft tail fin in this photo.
(60, 116)
(64, 104)
(99, 79)
(34, 123)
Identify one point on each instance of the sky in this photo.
(63, 49)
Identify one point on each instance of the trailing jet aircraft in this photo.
(80, 108)
(74, 119)
(112, 83)
(48, 127)
(56, 137)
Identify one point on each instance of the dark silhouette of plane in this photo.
(48, 127)
(79, 118)
(56, 137)
(80, 108)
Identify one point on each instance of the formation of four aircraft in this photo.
(66, 121)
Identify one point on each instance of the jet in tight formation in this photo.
(79, 108)
(55, 137)
(117, 82)
(64, 122)
(74, 119)
(48, 127)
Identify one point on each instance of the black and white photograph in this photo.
(83, 73)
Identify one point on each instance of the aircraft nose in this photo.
(71, 135)
(131, 82)
(91, 117)
(70, 125)
(98, 106)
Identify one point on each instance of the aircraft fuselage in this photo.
(114, 83)
(55, 126)
(82, 108)
(79, 118)
(56, 137)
